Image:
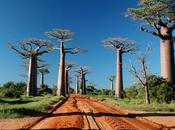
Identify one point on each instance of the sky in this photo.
(91, 21)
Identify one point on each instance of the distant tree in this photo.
(82, 71)
(77, 83)
(141, 74)
(43, 71)
(121, 45)
(159, 17)
(32, 48)
(63, 35)
(111, 79)
(68, 66)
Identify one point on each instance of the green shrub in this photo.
(159, 89)
(131, 92)
(44, 91)
(11, 89)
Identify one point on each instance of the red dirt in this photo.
(80, 112)
(84, 113)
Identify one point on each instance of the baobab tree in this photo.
(62, 35)
(111, 79)
(42, 72)
(32, 48)
(160, 22)
(121, 45)
(82, 71)
(77, 83)
(68, 66)
(142, 74)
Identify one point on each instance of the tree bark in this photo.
(112, 88)
(77, 84)
(119, 77)
(42, 80)
(147, 96)
(84, 84)
(81, 85)
(32, 77)
(167, 60)
(66, 81)
(60, 85)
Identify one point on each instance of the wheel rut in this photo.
(80, 112)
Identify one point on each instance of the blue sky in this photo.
(90, 20)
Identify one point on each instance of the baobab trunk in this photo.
(112, 88)
(84, 85)
(77, 84)
(167, 60)
(32, 77)
(119, 78)
(42, 80)
(81, 85)
(60, 85)
(66, 81)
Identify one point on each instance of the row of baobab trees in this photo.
(33, 48)
(159, 16)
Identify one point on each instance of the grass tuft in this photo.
(25, 106)
(138, 104)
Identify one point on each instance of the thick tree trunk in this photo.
(77, 84)
(32, 77)
(42, 80)
(84, 84)
(60, 85)
(81, 85)
(167, 60)
(112, 85)
(66, 81)
(119, 78)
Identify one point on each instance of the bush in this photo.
(54, 90)
(44, 91)
(159, 89)
(11, 89)
(131, 92)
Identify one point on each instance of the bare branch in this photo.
(120, 43)
(18, 51)
(74, 50)
(148, 31)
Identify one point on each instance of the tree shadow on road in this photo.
(99, 114)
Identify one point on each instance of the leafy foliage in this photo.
(44, 91)
(160, 90)
(11, 89)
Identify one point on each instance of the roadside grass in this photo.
(25, 106)
(137, 104)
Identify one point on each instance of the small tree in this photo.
(32, 48)
(121, 45)
(82, 71)
(111, 79)
(68, 66)
(43, 71)
(62, 35)
(159, 16)
(141, 74)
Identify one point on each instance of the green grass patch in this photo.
(138, 104)
(25, 106)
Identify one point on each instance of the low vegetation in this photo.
(138, 104)
(161, 96)
(25, 106)
(15, 103)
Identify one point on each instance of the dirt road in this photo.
(83, 113)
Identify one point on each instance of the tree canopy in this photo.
(156, 13)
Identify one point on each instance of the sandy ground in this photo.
(80, 112)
